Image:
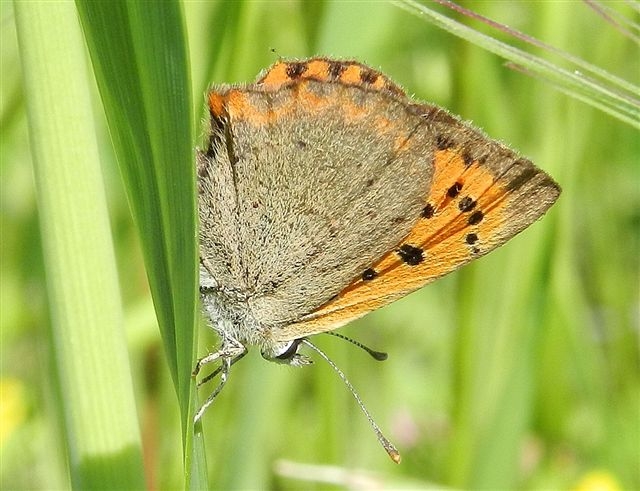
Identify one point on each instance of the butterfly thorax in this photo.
(229, 313)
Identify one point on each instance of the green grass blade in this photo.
(517, 372)
(614, 96)
(91, 356)
(212, 41)
(139, 53)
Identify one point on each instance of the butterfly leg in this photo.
(230, 352)
(219, 369)
(231, 348)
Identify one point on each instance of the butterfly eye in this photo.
(288, 350)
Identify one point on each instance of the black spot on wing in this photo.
(296, 69)
(454, 190)
(475, 218)
(428, 211)
(410, 255)
(466, 204)
(369, 274)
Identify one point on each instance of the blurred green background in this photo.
(520, 371)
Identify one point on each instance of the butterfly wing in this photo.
(481, 195)
(325, 183)
(327, 193)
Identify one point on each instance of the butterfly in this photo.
(325, 192)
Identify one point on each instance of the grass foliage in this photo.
(520, 371)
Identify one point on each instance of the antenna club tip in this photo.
(380, 356)
(395, 456)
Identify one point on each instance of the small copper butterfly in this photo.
(325, 193)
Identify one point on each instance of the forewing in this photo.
(326, 182)
(482, 194)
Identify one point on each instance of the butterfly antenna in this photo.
(386, 444)
(376, 355)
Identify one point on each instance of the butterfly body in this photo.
(325, 192)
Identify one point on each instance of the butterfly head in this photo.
(286, 353)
